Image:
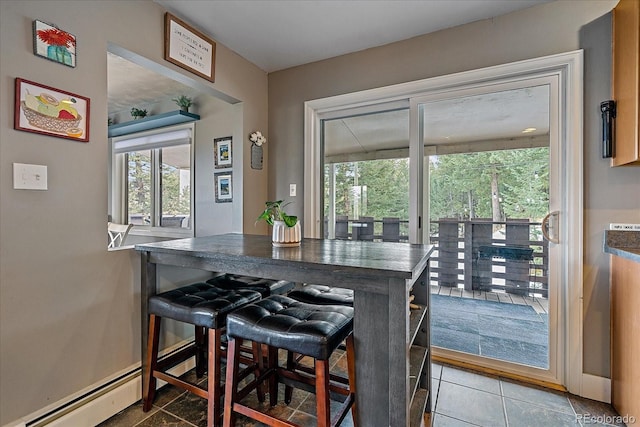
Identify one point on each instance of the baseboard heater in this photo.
(55, 413)
(84, 399)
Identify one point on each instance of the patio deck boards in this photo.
(540, 305)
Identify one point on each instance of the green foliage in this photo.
(460, 186)
(377, 188)
(274, 212)
(175, 200)
(183, 101)
(138, 113)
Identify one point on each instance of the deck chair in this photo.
(117, 234)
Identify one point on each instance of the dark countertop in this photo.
(380, 260)
(623, 243)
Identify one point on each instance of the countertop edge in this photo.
(619, 244)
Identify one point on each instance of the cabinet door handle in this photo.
(548, 229)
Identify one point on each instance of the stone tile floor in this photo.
(460, 398)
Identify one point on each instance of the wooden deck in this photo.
(540, 305)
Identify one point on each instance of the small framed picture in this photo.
(54, 44)
(222, 155)
(50, 111)
(223, 187)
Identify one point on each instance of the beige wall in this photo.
(610, 194)
(69, 313)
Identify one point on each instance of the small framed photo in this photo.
(223, 187)
(50, 111)
(222, 155)
(188, 48)
(54, 44)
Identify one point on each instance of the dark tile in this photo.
(525, 414)
(166, 395)
(189, 407)
(161, 418)
(308, 406)
(515, 329)
(538, 396)
(514, 351)
(303, 419)
(455, 340)
(594, 412)
(471, 379)
(512, 311)
(128, 417)
(470, 405)
(454, 319)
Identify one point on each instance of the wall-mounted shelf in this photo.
(152, 122)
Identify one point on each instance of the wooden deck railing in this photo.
(469, 254)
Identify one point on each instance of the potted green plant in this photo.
(137, 113)
(286, 228)
(184, 102)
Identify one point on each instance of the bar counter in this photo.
(391, 390)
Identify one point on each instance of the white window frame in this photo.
(118, 181)
(569, 69)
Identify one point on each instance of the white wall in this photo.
(69, 310)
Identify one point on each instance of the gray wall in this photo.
(69, 309)
(611, 195)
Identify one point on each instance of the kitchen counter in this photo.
(625, 320)
(625, 244)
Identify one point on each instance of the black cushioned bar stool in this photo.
(206, 307)
(266, 287)
(313, 330)
(325, 295)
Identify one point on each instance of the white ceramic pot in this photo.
(283, 236)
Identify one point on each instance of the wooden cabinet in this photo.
(625, 336)
(626, 84)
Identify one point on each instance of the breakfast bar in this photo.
(391, 341)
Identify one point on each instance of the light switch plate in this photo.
(29, 177)
(292, 190)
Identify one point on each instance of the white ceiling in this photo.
(278, 34)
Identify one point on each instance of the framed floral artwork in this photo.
(222, 154)
(223, 187)
(49, 111)
(54, 44)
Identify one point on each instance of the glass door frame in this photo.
(568, 67)
(554, 373)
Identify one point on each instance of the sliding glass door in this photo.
(491, 184)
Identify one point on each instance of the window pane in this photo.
(175, 187)
(139, 187)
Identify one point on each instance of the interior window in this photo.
(152, 181)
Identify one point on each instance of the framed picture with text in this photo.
(189, 48)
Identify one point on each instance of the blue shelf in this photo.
(152, 122)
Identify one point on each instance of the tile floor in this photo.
(512, 332)
(460, 398)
